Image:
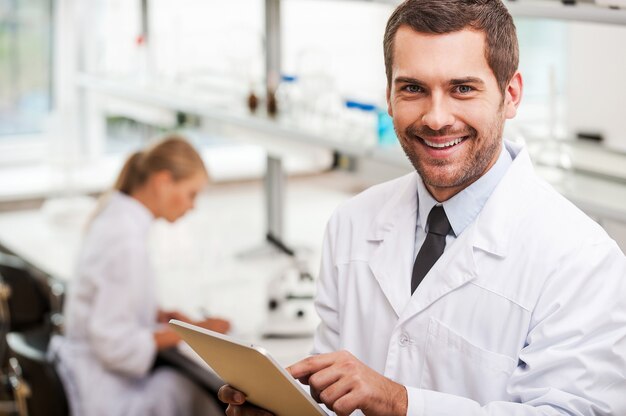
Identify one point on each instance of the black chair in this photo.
(37, 388)
(29, 302)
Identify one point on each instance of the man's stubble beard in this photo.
(471, 170)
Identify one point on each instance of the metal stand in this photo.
(275, 203)
(274, 175)
(274, 184)
(272, 44)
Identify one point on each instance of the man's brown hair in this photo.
(445, 16)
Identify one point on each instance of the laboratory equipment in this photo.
(291, 312)
(288, 97)
(271, 104)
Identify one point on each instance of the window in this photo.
(25, 65)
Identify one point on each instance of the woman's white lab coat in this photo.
(528, 305)
(106, 356)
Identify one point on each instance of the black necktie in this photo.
(432, 249)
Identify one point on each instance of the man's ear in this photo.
(388, 94)
(513, 95)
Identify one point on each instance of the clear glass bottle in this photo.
(289, 98)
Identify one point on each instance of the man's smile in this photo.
(442, 142)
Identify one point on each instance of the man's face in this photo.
(447, 109)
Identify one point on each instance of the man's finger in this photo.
(311, 365)
(229, 395)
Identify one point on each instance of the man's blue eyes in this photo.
(462, 89)
(413, 88)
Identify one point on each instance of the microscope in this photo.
(291, 312)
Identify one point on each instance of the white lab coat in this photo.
(524, 313)
(106, 356)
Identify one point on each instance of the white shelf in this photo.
(220, 109)
(554, 9)
(582, 12)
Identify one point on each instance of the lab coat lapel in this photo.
(455, 268)
(393, 230)
(490, 233)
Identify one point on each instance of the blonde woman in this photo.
(113, 323)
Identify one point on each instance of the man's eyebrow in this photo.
(455, 81)
(467, 80)
(407, 80)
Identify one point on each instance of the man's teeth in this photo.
(441, 145)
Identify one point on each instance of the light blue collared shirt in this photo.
(463, 208)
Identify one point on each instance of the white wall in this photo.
(219, 37)
(596, 89)
(344, 39)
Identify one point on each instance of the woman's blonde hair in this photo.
(172, 153)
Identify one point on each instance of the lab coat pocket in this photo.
(456, 366)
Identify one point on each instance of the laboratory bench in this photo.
(212, 261)
(29, 184)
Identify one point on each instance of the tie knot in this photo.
(438, 221)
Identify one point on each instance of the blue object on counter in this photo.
(360, 105)
(288, 78)
(386, 132)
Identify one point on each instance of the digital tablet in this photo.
(251, 370)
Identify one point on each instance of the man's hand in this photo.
(237, 405)
(345, 384)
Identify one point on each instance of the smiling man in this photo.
(447, 107)
(469, 287)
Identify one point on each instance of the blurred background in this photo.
(285, 100)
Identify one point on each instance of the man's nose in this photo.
(438, 114)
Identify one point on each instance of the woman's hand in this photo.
(165, 338)
(164, 316)
(215, 324)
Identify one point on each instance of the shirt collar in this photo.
(463, 208)
(425, 202)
